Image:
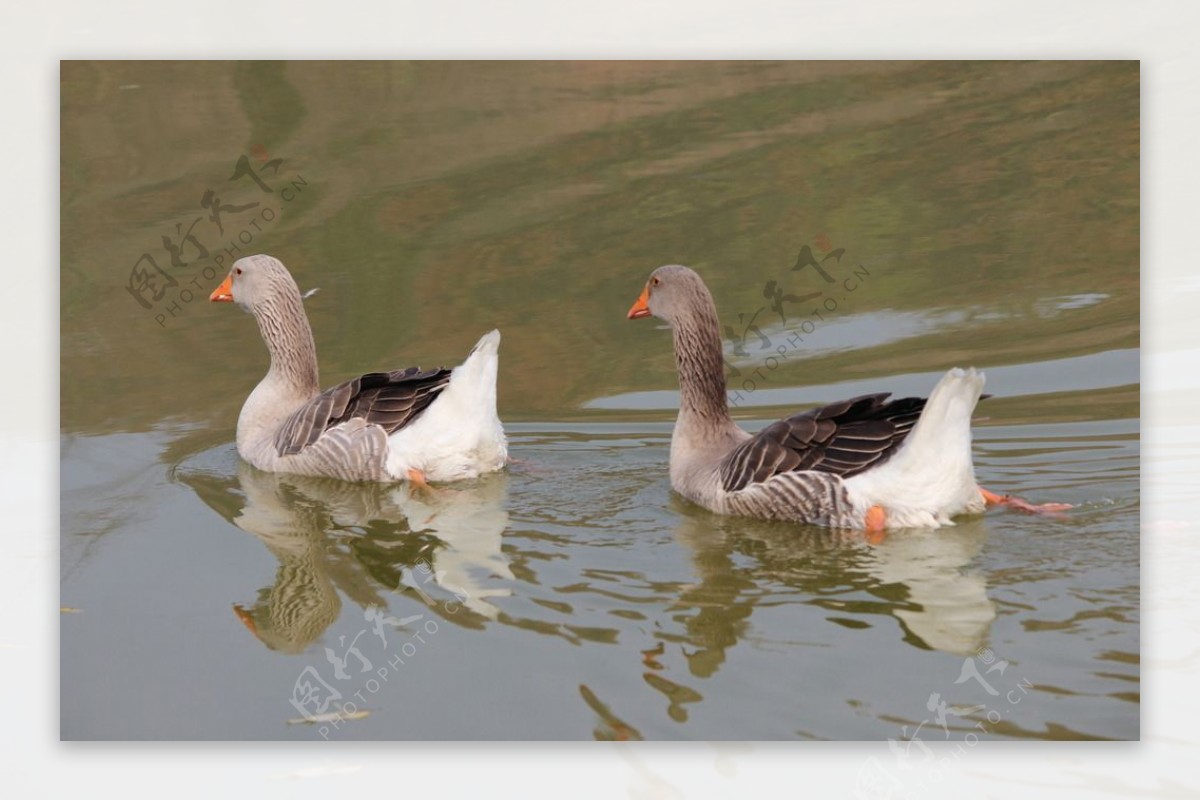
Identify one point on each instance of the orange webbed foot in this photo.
(417, 478)
(874, 524)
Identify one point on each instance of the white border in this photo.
(36, 35)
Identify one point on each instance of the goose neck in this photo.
(285, 330)
(700, 362)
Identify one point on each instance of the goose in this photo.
(409, 424)
(865, 463)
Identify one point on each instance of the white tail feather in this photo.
(931, 477)
(459, 435)
(478, 372)
(943, 432)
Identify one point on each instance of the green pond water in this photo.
(974, 214)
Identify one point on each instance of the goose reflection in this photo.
(360, 539)
(919, 584)
(923, 579)
(947, 608)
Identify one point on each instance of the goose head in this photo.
(674, 292)
(254, 282)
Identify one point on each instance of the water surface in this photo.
(986, 214)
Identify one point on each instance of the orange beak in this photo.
(641, 307)
(246, 618)
(223, 293)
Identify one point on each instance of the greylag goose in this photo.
(863, 463)
(414, 424)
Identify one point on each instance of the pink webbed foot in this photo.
(1022, 505)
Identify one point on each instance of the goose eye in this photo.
(655, 282)
(237, 271)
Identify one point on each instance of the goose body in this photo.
(867, 462)
(423, 425)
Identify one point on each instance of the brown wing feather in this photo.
(843, 438)
(388, 400)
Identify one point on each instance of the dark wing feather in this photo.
(388, 400)
(843, 438)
